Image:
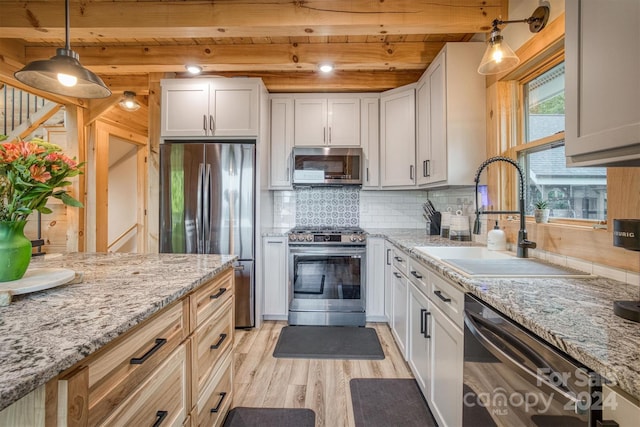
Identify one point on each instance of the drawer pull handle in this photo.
(140, 360)
(219, 343)
(397, 274)
(397, 258)
(160, 416)
(425, 333)
(416, 275)
(422, 319)
(223, 394)
(443, 298)
(219, 293)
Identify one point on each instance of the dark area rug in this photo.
(270, 417)
(329, 342)
(389, 402)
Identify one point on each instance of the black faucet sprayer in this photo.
(523, 243)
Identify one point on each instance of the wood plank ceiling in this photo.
(374, 45)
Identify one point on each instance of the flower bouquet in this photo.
(30, 173)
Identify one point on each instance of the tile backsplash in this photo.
(327, 206)
(392, 209)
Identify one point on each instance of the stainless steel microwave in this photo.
(327, 166)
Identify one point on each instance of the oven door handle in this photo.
(315, 250)
(474, 323)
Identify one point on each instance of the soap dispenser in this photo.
(496, 239)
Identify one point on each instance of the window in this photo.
(571, 192)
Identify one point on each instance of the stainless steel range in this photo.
(327, 276)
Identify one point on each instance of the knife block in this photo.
(433, 227)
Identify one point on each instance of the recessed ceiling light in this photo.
(326, 68)
(194, 69)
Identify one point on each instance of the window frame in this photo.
(519, 144)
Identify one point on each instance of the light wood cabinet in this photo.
(281, 143)
(451, 117)
(209, 107)
(160, 370)
(276, 288)
(397, 137)
(214, 403)
(160, 400)
(602, 62)
(374, 289)
(327, 121)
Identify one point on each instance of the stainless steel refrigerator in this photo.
(207, 206)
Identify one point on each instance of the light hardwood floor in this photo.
(260, 380)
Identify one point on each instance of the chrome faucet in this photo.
(523, 243)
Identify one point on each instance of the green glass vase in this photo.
(15, 250)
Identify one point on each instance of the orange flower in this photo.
(39, 173)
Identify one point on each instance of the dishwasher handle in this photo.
(473, 322)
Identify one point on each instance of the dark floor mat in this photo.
(329, 342)
(389, 402)
(270, 417)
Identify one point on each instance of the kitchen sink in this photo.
(478, 261)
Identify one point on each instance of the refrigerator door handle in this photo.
(199, 210)
(206, 235)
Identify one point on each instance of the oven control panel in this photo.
(329, 238)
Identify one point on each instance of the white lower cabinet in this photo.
(374, 289)
(388, 274)
(399, 293)
(427, 324)
(620, 407)
(276, 300)
(420, 338)
(447, 358)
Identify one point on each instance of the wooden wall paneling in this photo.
(102, 188)
(141, 238)
(153, 167)
(77, 146)
(623, 194)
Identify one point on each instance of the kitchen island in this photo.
(44, 333)
(574, 315)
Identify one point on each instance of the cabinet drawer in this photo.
(211, 341)
(210, 297)
(418, 275)
(118, 370)
(449, 299)
(212, 406)
(161, 396)
(399, 260)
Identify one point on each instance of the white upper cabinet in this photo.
(451, 117)
(370, 141)
(322, 121)
(602, 60)
(209, 107)
(281, 143)
(398, 137)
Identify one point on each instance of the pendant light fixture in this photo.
(129, 102)
(499, 57)
(63, 74)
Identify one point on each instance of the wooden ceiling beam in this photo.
(338, 81)
(263, 57)
(251, 18)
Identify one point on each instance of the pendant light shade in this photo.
(63, 74)
(498, 57)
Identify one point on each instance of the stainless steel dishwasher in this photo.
(513, 378)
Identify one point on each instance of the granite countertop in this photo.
(44, 333)
(574, 315)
